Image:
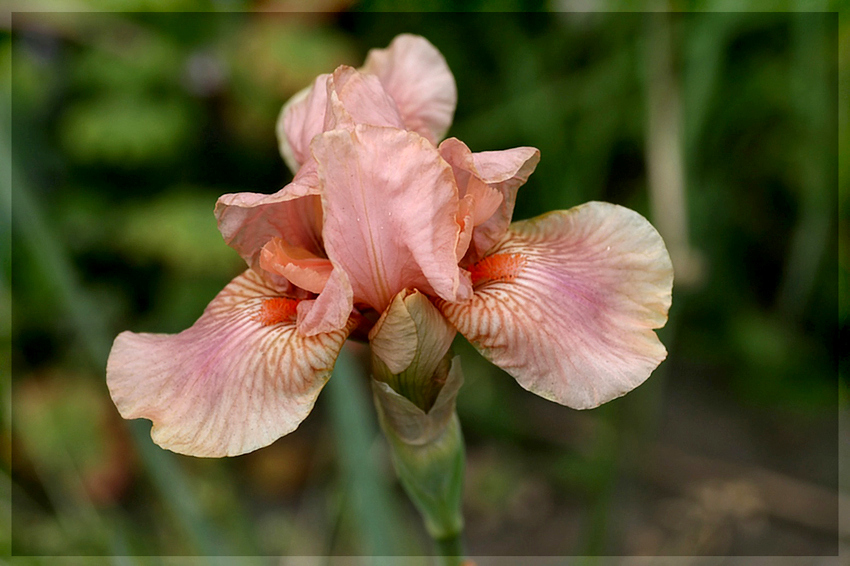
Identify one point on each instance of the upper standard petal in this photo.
(237, 380)
(390, 210)
(418, 78)
(300, 120)
(408, 85)
(567, 303)
(358, 98)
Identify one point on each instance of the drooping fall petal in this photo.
(237, 380)
(390, 214)
(248, 221)
(418, 78)
(491, 179)
(567, 303)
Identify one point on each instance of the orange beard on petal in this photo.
(498, 267)
(276, 310)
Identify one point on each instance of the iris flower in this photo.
(379, 207)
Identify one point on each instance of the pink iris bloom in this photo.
(566, 302)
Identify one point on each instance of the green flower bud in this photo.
(410, 344)
(427, 451)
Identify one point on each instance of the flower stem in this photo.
(450, 549)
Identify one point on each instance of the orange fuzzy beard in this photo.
(276, 310)
(499, 267)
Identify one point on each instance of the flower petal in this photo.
(390, 207)
(418, 78)
(484, 199)
(566, 303)
(300, 120)
(297, 265)
(352, 97)
(466, 221)
(237, 380)
(357, 98)
(492, 178)
(248, 221)
(330, 310)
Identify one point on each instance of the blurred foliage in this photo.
(128, 126)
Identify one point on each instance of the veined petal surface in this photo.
(418, 78)
(567, 303)
(237, 380)
(390, 214)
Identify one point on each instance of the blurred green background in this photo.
(721, 128)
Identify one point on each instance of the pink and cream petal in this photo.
(390, 214)
(418, 78)
(247, 221)
(567, 303)
(492, 178)
(300, 120)
(237, 380)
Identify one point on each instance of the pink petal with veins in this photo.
(237, 380)
(567, 303)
